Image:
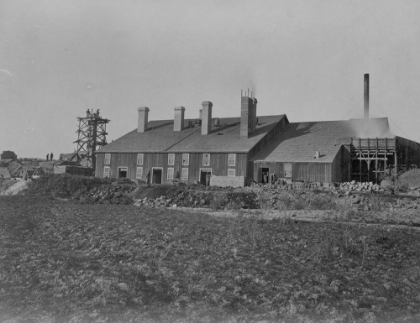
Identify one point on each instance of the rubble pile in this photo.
(360, 186)
(109, 194)
(203, 199)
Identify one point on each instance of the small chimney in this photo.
(179, 119)
(247, 117)
(317, 154)
(143, 119)
(206, 118)
(366, 110)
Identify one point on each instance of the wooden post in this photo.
(395, 163)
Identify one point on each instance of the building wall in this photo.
(218, 164)
(311, 172)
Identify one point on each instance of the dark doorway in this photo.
(203, 176)
(265, 175)
(157, 176)
(122, 172)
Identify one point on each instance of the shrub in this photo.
(322, 202)
(376, 203)
(340, 241)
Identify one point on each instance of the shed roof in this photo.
(161, 137)
(299, 141)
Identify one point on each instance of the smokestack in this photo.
(366, 110)
(179, 119)
(248, 116)
(143, 119)
(206, 118)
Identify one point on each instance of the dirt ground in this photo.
(63, 261)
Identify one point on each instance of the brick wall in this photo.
(223, 181)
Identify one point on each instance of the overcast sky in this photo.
(305, 59)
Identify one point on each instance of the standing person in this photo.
(148, 178)
(47, 157)
(208, 179)
(51, 156)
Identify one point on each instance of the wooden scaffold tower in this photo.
(91, 136)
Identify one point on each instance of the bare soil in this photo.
(70, 262)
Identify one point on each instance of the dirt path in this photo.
(15, 188)
(400, 220)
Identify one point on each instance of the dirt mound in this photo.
(411, 178)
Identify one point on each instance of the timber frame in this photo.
(373, 157)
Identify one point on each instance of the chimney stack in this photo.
(143, 119)
(248, 116)
(179, 119)
(255, 119)
(366, 110)
(206, 118)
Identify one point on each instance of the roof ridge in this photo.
(192, 132)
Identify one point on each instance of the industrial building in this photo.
(261, 148)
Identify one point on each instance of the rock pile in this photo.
(110, 194)
(361, 186)
(203, 199)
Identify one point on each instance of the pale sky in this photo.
(305, 59)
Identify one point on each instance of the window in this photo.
(139, 173)
(206, 159)
(231, 172)
(171, 159)
(170, 174)
(107, 159)
(231, 159)
(106, 171)
(139, 159)
(184, 174)
(185, 159)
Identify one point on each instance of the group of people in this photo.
(50, 156)
(266, 178)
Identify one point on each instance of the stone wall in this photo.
(224, 181)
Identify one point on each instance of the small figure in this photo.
(273, 178)
(265, 177)
(51, 156)
(208, 179)
(148, 178)
(47, 156)
(87, 112)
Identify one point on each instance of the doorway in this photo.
(157, 175)
(204, 172)
(122, 172)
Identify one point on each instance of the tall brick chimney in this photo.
(248, 116)
(179, 119)
(143, 119)
(366, 96)
(206, 118)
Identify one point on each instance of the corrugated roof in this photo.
(299, 141)
(161, 138)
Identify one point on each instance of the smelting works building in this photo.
(262, 148)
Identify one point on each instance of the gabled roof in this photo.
(299, 141)
(160, 137)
